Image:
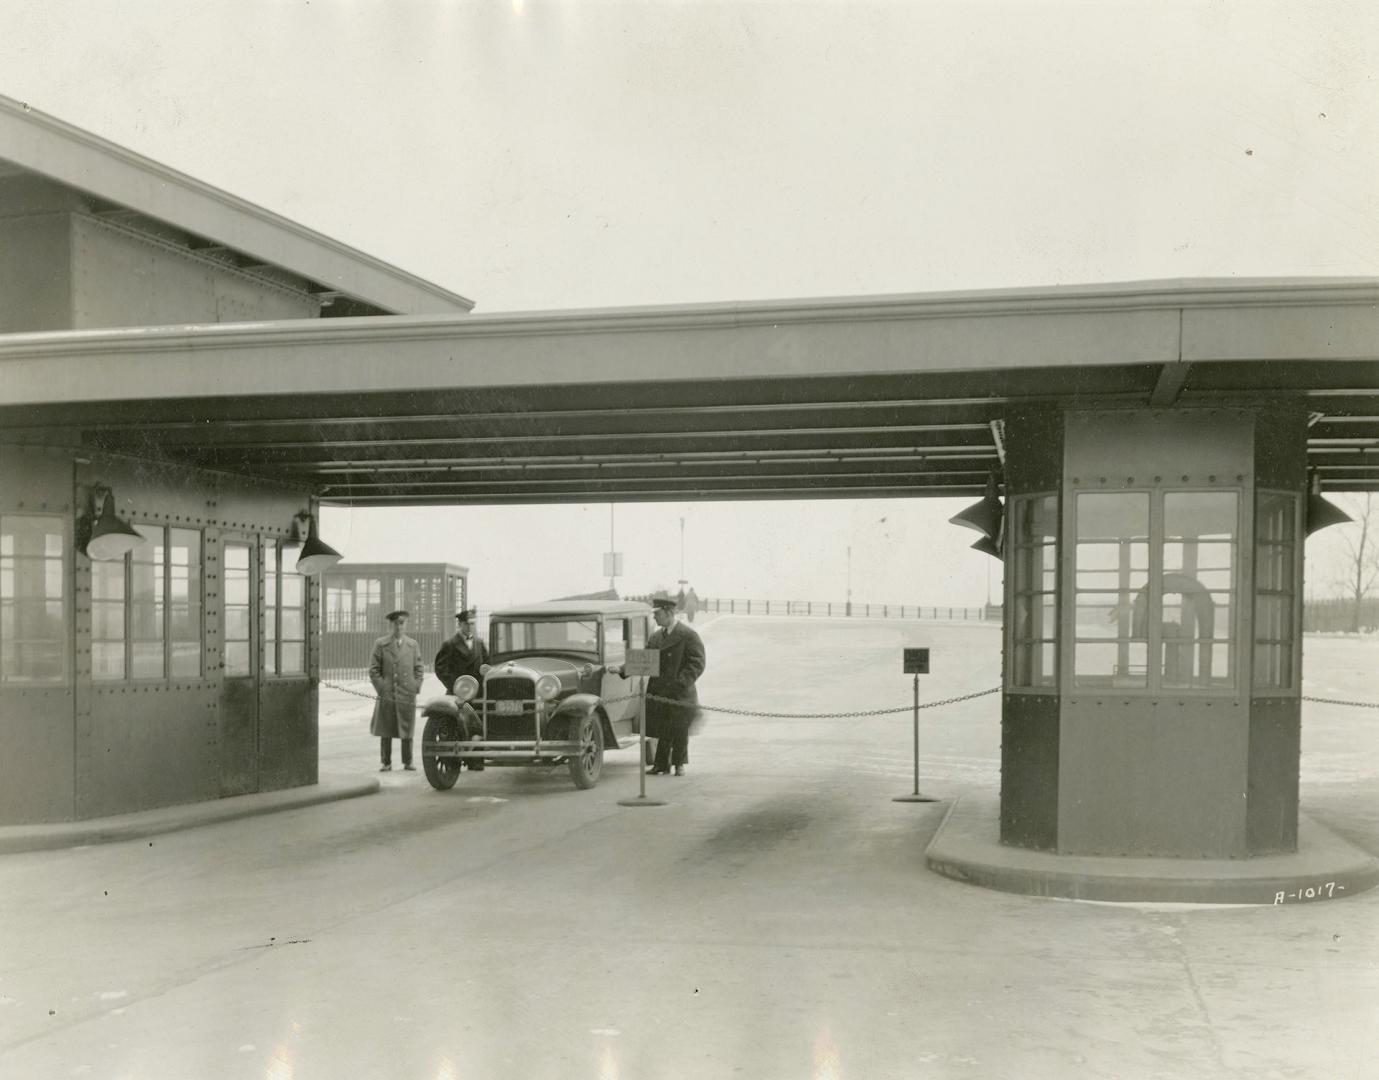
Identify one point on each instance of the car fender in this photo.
(580, 705)
(445, 705)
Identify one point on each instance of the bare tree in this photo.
(1359, 558)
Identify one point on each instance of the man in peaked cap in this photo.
(682, 662)
(463, 654)
(396, 674)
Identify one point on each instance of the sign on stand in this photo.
(916, 663)
(642, 662)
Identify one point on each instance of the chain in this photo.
(811, 716)
(725, 708)
(1338, 701)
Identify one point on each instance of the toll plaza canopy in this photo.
(862, 397)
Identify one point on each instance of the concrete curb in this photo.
(1325, 867)
(144, 823)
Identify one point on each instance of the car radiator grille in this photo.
(515, 726)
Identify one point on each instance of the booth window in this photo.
(1275, 589)
(1198, 583)
(284, 618)
(238, 624)
(33, 599)
(1111, 569)
(146, 609)
(1155, 581)
(1034, 551)
(147, 565)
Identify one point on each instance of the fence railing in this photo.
(848, 609)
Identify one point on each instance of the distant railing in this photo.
(849, 609)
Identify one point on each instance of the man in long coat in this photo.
(396, 673)
(682, 662)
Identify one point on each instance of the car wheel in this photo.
(587, 763)
(441, 770)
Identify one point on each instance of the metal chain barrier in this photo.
(734, 712)
(1338, 701)
(371, 696)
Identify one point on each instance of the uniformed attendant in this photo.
(463, 654)
(396, 674)
(682, 662)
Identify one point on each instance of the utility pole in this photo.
(682, 551)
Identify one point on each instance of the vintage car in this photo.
(552, 693)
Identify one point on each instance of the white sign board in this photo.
(642, 662)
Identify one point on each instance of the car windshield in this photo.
(566, 635)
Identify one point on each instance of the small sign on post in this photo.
(639, 663)
(916, 663)
(642, 662)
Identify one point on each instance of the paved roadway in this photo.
(774, 920)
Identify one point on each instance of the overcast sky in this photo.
(536, 155)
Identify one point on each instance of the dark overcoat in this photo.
(458, 657)
(682, 662)
(396, 673)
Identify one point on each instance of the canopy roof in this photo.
(861, 397)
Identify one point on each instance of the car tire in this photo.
(441, 771)
(587, 765)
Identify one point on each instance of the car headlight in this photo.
(547, 687)
(466, 686)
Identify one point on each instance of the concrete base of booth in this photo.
(167, 819)
(1325, 867)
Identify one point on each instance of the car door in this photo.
(621, 695)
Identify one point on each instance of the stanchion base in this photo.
(915, 798)
(640, 800)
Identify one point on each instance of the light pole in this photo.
(682, 551)
(847, 610)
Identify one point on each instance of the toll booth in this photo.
(1152, 681)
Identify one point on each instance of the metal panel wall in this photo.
(143, 745)
(288, 733)
(1029, 771)
(123, 278)
(1165, 774)
(35, 274)
(1275, 746)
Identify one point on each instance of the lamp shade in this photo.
(1321, 512)
(987, 546)
(316, 555)
(984, 516)
(111, 536)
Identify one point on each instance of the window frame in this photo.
(1241, 571)
(1014, 643)
(165, 601)
(64, 531)
(271, 639)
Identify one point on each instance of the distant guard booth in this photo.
(356, 596)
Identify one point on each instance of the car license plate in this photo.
(507, 706)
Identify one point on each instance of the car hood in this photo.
(533, 667)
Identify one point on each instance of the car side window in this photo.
(614, 641)
(637, 637)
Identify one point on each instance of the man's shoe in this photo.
(410, 768)
(653, 771)
(679, 770)
(385, 767)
